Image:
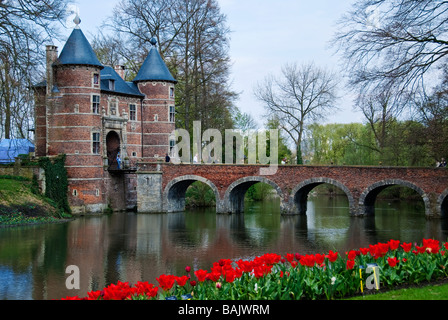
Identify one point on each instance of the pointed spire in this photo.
(77, 49)
(154, 68)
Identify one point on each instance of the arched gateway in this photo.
(161, 187)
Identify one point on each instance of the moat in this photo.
(140, 247)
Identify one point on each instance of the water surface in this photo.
(139, 247)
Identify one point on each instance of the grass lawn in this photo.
(20, 206)
(428, 292)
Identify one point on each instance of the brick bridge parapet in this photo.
(161, 187)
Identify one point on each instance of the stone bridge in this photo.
(161, 187)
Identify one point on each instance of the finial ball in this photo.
(77, 20)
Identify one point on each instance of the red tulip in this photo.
(166, 281)
(332, 256)
(201, 274)
(308, 260)
(392, 261)
(364, 251)
(320, 258)
(181, 281)
(213, 276)
(289, 257)
(406, 246)
(394, 244)
(431, 245)
(350, 264)
(351, 255)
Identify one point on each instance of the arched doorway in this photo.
(113, 148)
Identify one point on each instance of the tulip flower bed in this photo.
(332, 275)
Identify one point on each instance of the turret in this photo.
(73, 118)
(155, 81)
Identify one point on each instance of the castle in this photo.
(88, 112)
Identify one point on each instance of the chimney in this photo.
(52, 56)
(120, 70)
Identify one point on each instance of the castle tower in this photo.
(90, 113)
(155, 81)
(68, 119)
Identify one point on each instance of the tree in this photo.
(192, 37)
(24, 27)
(283, 151)
(350, 144)
(339, 144)
(432, 112)
(381, 107)
(393, 42)
(302, 94)
(244, 121)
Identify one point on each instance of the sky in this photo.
(265, 35)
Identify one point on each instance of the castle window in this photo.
(172, 144)
(96, 104)
(113, 107)
(96, 79)
(132, 112)
(172, 114)
(171, 92)
(96, 143)
(112, 85)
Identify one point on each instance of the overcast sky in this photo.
(265, 36)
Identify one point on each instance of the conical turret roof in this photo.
(154, 68)
(77, 50)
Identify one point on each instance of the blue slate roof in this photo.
(77, 51)
(154, 68)
(121, 86)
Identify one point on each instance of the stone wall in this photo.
(21, 171)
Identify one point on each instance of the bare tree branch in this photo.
(393, 40)
(301, 95)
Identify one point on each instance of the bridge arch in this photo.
(234, 196)
(368, 197)
(442, 204)
(174, 193)
(299, 195)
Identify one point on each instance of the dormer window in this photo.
(112, 85)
